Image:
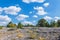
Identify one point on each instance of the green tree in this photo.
(11, 25)
(29, 25)
(47, 24)
(42, 23)
(58, 22)
(53, 24)
(19, 25)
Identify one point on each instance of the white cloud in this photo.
(1, 9)
(4, 20)
(56, 18)
(29, 1)
(35, 16)
(47, 18)
(40, 10)
(34, 21)
(41, 13)
(13, 10)
(27, 22)
(2, 23)
(50, 18)
(22, 17)
(26, 1)
(46, 4)
(30, 12)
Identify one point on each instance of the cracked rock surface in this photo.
(29, 33)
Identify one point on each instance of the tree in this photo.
(53, 24)
(11, 25)
(8, 25)
(58, 22)
(42, 23)
(29, 25)
(19, 25)
(47, 24)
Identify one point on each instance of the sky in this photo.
(28, 11)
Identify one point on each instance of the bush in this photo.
(1, 27)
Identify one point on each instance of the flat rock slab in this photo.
(47, 33)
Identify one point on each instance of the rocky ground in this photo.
(29, 33)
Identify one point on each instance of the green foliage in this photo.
(53, 24)
(1, 27)
(42, 23)
(11, 25)
(19, 25)
(47, 24)
(58, 22)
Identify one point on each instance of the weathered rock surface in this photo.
(29, 33)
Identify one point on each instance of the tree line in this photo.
(40, 23)
(45, 23)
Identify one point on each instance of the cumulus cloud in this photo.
(13, 10)
(56, 18)
(40, 10)
(1, 9)
(47, 18)
(27, 22)
(35, 16)
(22, 17)
(29, 1)
(46, 4)
(50, 18)
(4, 20)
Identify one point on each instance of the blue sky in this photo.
(28, 11)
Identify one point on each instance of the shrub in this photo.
(1, 27)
